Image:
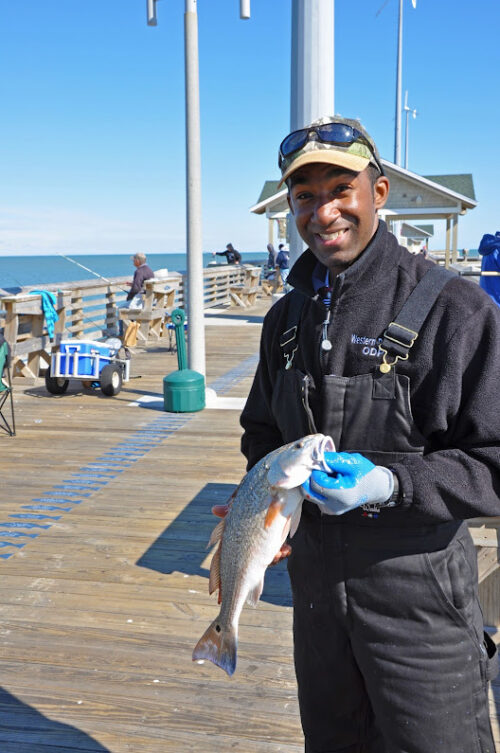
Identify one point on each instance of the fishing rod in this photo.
(87, 269)
(66, 328)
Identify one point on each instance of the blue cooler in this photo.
(80, 358)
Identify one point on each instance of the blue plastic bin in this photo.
(91, 358)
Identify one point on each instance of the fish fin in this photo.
(254, 595)
(214, 577)
(286, 528)
(217, 533)
(219, 646)
(295, 519)
(273, 511)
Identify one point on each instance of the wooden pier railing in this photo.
(88, 309)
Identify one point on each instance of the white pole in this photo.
(312, 73)
(151, 12)
(407, 111)
(195, 306)
(399, 78)
(244, 8)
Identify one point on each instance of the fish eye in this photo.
(299, 445)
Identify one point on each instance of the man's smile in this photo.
(330, 237)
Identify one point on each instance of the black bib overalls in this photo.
(389, 648)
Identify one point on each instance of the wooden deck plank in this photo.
(100, 611)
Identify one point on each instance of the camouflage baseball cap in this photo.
(347, 145)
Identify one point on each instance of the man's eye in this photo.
(342, 188)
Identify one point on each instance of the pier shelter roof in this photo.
(412, 198)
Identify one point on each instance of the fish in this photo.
(263, 510)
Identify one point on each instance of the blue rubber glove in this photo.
(353, 481)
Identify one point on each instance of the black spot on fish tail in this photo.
(219, 646)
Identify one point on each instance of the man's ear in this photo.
(289, 203)
(381, 191)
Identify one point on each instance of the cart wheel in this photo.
(55, 385)
(111, 379)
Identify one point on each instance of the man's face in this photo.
(335, 211)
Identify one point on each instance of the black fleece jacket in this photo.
(454, 370)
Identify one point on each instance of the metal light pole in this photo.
(195, 307)
(151, 12)
(399, 76)
(312, 73)
(399, 84)
(244, 9)
(408, 111)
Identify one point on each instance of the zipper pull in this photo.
(325, 342)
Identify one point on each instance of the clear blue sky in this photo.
(92, 125)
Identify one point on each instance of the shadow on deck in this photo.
(182, 547)
(24, 730)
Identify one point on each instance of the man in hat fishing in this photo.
(142, 273)
(397, 360)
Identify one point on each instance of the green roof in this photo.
(426, 228)
(270, 189)
(461, 183)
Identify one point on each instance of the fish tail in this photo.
(218, 645)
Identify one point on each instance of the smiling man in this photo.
(398, 361)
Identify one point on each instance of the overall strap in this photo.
(288, 340)
(403, 331)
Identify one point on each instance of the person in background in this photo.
(232, 255)
(389, 644)
(489, 249)
(283, 264)
(271, 259)
(465, 254)
(142, 273)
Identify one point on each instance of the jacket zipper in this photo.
(305, 403)
(326, 344)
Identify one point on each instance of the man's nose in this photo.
(327, 212)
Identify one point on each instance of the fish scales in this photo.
(265, 507)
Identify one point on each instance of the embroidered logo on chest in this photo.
(366, 346)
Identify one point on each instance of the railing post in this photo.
(33, 359)
(111, 311)
(77, 327)
(11, 325)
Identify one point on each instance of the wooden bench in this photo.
(245, 294)
(159, 300)
(272, 286)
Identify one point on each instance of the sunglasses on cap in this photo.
(337, 134)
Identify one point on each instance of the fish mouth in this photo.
(326, 445)
(280, 478)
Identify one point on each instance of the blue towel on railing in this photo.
(49, 301)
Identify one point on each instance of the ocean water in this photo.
(16, 271)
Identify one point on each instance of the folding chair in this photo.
(6, 390)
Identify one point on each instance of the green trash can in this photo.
(183, 390)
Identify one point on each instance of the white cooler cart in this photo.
(88, 360)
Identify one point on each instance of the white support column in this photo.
(195, 308)
(448, 243)
(270, 231)
(454, 249)
(312, 73)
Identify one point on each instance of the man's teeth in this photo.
(330, 236)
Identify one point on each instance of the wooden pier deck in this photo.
(104, 520)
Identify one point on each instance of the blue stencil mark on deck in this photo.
(96, 474)
(244, 369)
